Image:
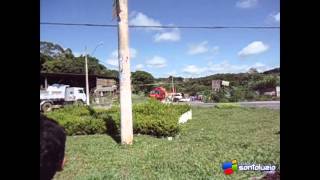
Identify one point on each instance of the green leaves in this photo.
(151, 117)
(141, 81)
(54, 59)
(269, 81)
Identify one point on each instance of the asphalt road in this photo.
(256, 104)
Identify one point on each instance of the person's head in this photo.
(52, 147)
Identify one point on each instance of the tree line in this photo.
(243, 86)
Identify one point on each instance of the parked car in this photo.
(177, 97)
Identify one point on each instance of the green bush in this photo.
(78, 120)
(151, 117)
(267, 82)
(84, 126)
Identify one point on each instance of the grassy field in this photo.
(138, 98)
(210, 138)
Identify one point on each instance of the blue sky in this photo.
(179, 52)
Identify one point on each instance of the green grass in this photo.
(136, 98)
(210, 138)
(227, 105)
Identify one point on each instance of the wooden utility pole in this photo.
(172, 84)
(124, 73)
(87, 78)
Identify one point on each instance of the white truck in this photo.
(60, 94)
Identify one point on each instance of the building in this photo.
(278, 91)
(77, 80)
(216, 85)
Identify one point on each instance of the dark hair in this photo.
(52, 147)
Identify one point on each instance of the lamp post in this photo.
(86, 67)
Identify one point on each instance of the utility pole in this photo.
(172, 84)
(124, 73)
(87, 78)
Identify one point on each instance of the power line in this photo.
(162, 27)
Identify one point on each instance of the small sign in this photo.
(225, 83)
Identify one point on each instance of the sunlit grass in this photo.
(210, 138)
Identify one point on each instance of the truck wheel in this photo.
(46, 107)
(79, 103)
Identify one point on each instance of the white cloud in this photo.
(258, 64)
(273, 18)
(260, 67)
(246, 3)
(157, 62)
(277, 17)
(77, 54)
(255, 47)
(139, 66)
(112, 61)
(193, 70)
(113, 58)
(133, 53)
(114, 54)
(198, 48)
(172, 73)
(221, 68)
(215, 49)
(140, 19)
(226, 67)
(173, 35)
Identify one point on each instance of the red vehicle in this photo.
(158, 93)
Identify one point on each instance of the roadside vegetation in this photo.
(213, 136)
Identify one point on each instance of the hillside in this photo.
(273, 71)
(243, 86)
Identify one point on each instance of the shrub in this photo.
(84, 126)
(78, 120)
(151, 117)
(267, 82)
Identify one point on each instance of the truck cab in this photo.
(75, 94)
(158, 93)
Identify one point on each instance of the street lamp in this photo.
(87, 76)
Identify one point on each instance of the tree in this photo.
(51, 49)
(141, 81)
(266, 83)
(54, 59)
(253, 71)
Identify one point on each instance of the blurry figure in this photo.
(52, 147)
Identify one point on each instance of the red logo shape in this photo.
(228, 171)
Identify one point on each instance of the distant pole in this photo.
(87, 75)
(172, 84)
(87, 78)
(124, 74)
(45, 82)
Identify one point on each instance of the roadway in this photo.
(256, 104)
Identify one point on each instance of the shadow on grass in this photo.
(111, 126)
(112, 129)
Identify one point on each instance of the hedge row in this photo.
(152, 117)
